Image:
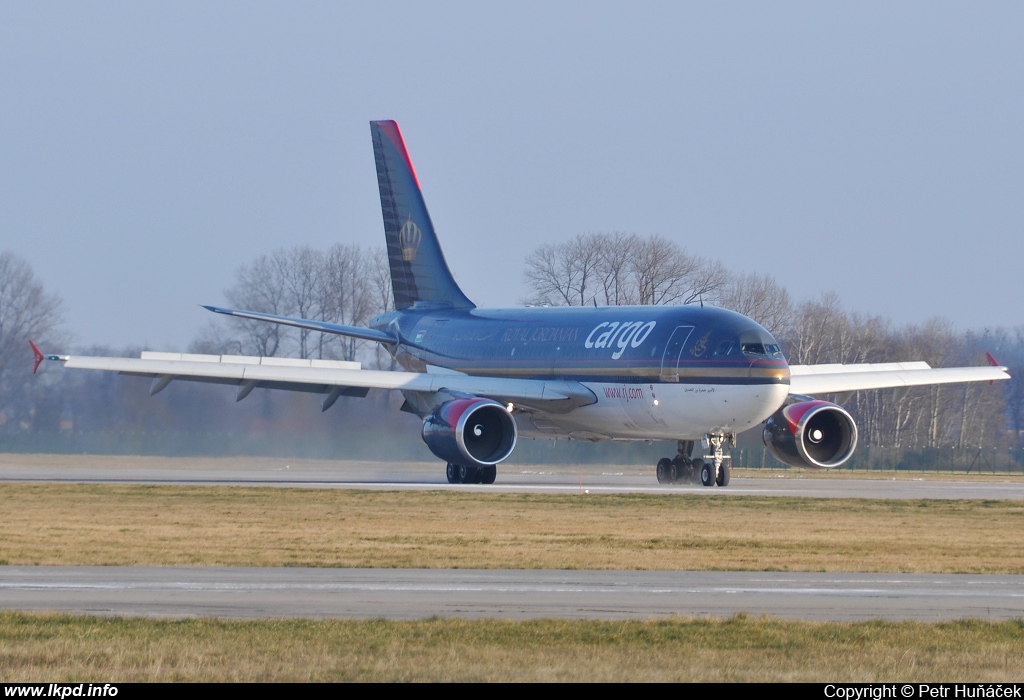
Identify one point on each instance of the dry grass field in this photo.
(90, 649)
(75, 524)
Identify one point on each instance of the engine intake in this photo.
(815, 434)
(471, 431)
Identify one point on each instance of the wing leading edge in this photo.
(332, 378)
(809, 380)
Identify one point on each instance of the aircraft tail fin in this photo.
(419, 272)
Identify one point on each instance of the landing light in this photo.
(655, 402)
(509, 407)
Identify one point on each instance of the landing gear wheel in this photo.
(697, 466)
(706, 474)
(467, 475)
(452, 472)
(723, 474)
(664, 470)
(488, 475)
(684, 469)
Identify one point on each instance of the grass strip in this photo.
(47, 647)
(75, 524)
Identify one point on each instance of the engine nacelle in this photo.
(471, 431)
(811, 433)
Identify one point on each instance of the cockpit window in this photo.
(724, 348)
(757, 345)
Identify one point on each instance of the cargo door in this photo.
(673, 351)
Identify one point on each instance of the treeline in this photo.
(821, 331)
(348, 284)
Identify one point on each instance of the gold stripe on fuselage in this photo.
(779, 374)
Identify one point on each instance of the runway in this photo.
(281, 473)
(415, 594)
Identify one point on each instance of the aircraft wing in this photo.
(827, 379)
(331, 378)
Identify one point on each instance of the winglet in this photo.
(991, 361)
(39, 356)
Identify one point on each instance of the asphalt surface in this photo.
(413, 594)
(370, 475)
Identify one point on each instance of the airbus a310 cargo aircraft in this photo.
(479, 378)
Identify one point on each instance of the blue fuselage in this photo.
(618, 344)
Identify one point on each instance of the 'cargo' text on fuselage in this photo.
(621, 335)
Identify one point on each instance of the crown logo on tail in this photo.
(409, 238)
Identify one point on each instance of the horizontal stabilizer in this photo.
(324, 326)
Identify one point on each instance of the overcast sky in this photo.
(877, 150)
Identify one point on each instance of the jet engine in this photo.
(470, 431)
(811, 433)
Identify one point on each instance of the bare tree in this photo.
(812, 338)
(382, 299)
(759, 297)
(345, 295)
(216, 339)
(260, 286)
(619, 268)
(564, 274)
(301, 270)
(27, 312)
(614, 267)
(963, 417)
(1008, 348)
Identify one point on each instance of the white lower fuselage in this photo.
(660, 411)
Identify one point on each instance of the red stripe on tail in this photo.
(394, 134)
(39, 357)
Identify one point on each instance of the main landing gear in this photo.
(461, 474)
(684, 469)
